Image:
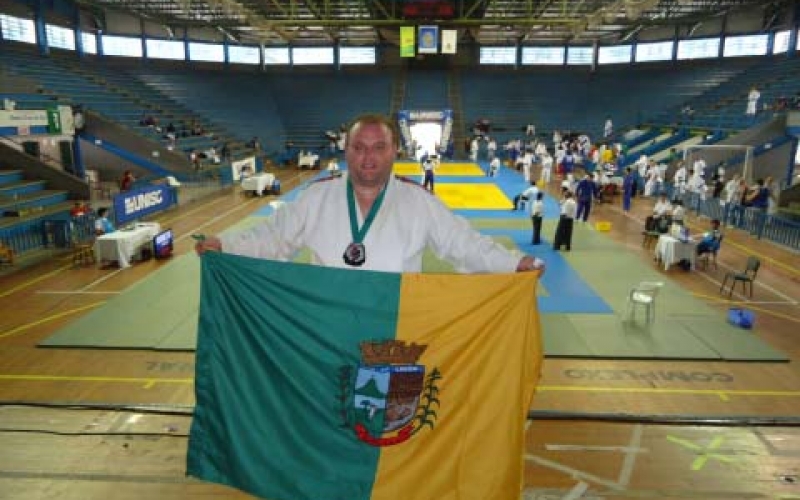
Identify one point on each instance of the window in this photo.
(89, 41)
(614, 55)
(17, 29)
(700, 48)
(748, 45)
(357, 55)
(210, 52)
(124, 46)
(656, 51)
(498, 55)
(243, 55)
(579, 55)
(543, 55)
(60, 38)
(312, 55)
(164, 49)
(781, 43)
(276, 55)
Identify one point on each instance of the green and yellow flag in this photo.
(315, 383)
(408, 41)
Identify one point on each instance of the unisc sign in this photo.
(135, 204)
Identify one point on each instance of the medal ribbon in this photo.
(359, 234)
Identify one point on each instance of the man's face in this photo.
(370, 154)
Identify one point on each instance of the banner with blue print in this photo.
(138, 203)
(428, 40)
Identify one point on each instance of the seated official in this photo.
(102, 225)
(661, 218)
(678, 212)
(711, 239)
(662, 206)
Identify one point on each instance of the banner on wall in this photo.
(428, 40)
(449, 41)
(132, 205)
(23, 122)
(407, 41)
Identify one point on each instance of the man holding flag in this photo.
(335, 218)
(317, 383)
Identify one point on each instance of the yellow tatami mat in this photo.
(463, 169)
(473, 196)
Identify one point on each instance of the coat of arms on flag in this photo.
(391, 398)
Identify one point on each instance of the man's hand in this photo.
(207, 243)
(529, 263)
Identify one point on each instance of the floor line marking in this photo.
(214, 219)
(49, 318)
(578, 447)
(664, 390)
(703, 453)
(73, 292)
(750, 305)
(100, 280)
(544, 388)
(34, 281)
(201, 206)
(763, 257)
(576, 492)
(626, 471)
(146, 382)
(575, 473)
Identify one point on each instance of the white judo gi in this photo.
(409, 220)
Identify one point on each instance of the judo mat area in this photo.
(583, 306)
(412, 168)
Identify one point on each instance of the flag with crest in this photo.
(316, 383)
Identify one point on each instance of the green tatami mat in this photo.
(160, 312)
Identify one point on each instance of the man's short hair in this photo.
(375, 118)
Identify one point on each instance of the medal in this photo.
(356, 253)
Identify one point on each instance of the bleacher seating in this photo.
(113, 93)
(576, 99)
(279, 107)
(426, 89)
(32, 216)
(722, 107)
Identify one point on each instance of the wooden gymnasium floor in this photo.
(100, 424)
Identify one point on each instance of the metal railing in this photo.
(755, 221)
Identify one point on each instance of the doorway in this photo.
(426, 135)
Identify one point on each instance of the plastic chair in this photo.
(746, 277)
(644, 294)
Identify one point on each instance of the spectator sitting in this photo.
(102, 225)
(78, 210)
